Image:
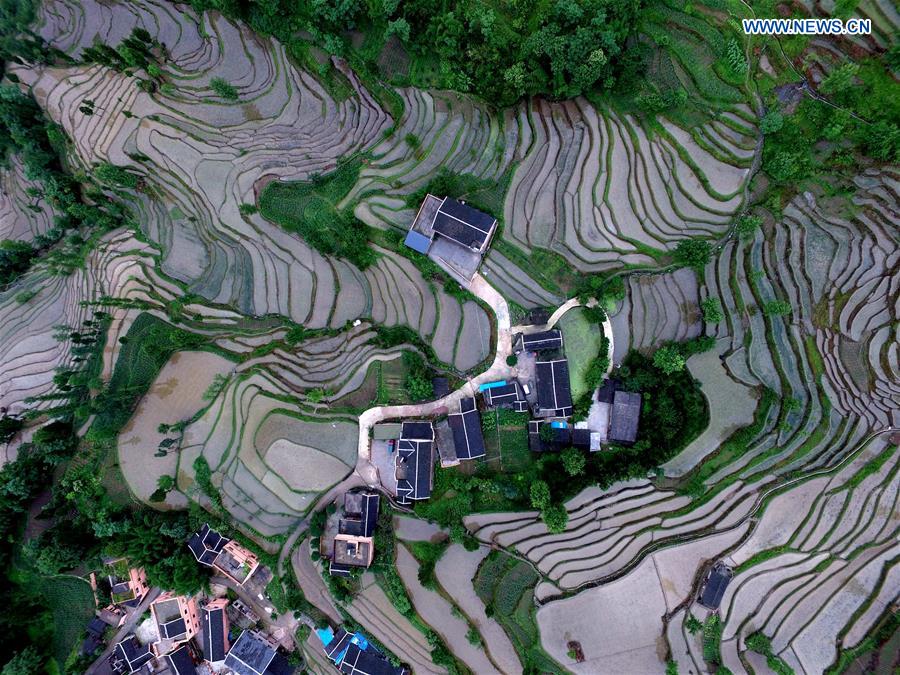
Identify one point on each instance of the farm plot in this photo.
(33, 308)
(455, 572)
(372, 608)
(506, 586)
(437, 612)
(818, 561)
(617, 625)
(174, 397)
(657, 308)
(269, 460)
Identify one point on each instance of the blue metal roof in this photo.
(492, 385)
(417, 241)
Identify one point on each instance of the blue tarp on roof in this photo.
(492, 385)
(559, 425)
(418, 242)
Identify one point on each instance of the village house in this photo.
(215, 630)
(352, 654)
(224, 555)
(177, 621)
(255, 654)
(129, 656)
(714, 586)
(127, 585)
(414, 469)
(353, 544)
(453, 234)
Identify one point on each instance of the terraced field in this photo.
(824, 379)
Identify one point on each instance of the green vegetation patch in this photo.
(310, 209)
(583, 340)
(506, 587)
(71, 604)
(145, 349)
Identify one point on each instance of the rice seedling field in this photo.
(794, 482)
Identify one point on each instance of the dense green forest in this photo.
(500, 51)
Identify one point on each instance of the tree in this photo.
(776, 308)
(573, 461)
(671, 667)
(694, 253)
(771, 122)
(840, 79)
(419, 387)
(692, 623)
(26, 662)
(540, 494)
(9, 427)
(747, 226)
(712, 310)
(555, 517)
(15, 258)
(223, 89)
(115, 175)
(668, 359)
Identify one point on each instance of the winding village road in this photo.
(365, 470)
(499, 370)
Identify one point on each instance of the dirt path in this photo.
(312, 584)
(499, 370)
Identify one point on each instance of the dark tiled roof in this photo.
(214, 627)
(606, 392)
(97, 626)
(441, 386)
(581, 438)
(338, 569)
(130, 655)
(468, 439)
(180, 661)
(413, 431)
(249, 655)
(553, 390)
(543, 341)
(463, 224)
(714, 588)
(362, 522)
(508, 394)
(91, 644)
(338, 644)
(206, 544)
(367, 662)
(415, 463)
(173, 628)
(624, 417)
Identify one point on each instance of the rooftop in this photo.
(539, 342)
(250, 655)
(716, 583)
(468, 439)
(353, 551)
(553, 390)
(624, 417)
(206, 544)
(414, 467)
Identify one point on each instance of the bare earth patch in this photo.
(176, 395)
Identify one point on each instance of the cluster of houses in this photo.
(541, 389)
(189, 635)
(456, 237)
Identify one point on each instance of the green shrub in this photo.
(224, 89)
